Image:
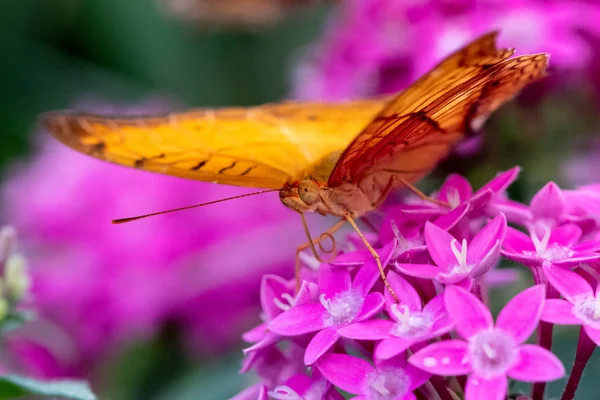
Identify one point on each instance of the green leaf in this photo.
(216, 380)
(12, 386)
(14, 320)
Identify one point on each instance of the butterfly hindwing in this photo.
(421, 125)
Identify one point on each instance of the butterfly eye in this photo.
(308, 192)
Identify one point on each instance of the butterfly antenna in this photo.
(130, 219)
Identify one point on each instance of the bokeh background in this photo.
(155, 309)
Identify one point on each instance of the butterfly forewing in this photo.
(275, 145)
(260, 147)
(448, 72)
(419, 127)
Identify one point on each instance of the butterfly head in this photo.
(303, 196)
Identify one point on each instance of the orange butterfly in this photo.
(339, 159)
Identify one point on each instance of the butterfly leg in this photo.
(420, 194)
(349, 218)
(311, 245)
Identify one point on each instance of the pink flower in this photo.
(8, 241)
(343, 301)
(581, 305)
(381, 46)
(275, 297)
(491, 353)
(559, 246)
(387, 380)
(583, 205)
(454, 261)
(301, 387)
(456, 191)
(547, 209)
(410, 322)
(275, 366)
(406, 223)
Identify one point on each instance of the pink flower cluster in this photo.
(343, 330)
(381, 46)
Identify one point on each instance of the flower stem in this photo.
(441, 387)
(477, 288)
(544, 340)
(544, 337)
(480, 290)
(585, 349)
(538, 275)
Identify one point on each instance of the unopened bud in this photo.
(8, 239)
(16, 279)
(4, 307)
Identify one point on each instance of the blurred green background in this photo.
(54, 52)
(120, 51)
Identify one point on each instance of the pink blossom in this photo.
(547, 209)
(559, 246)
(381, 46)
(581, 304)
(406, 223)
(359, 344)
(387, 380)
(467, 209)
(342, 301)
(275, 366)
(276, 297)
(490, 353)
(301, 387)
(410, 323)
(456, 190)
(583, 205)
(454, 261)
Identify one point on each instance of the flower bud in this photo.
(8, 238)
(16, 279)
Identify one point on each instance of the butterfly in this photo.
(339, 159)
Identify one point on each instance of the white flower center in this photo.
(587, 308)
(461, 258)
(284, 393)
(404, 243)
(401, 240)
(314, 392)
(343, 309)
(492, 352)
(309, 260)
(453, 198)
(387, 385)
(544, 223)
(410, 324)
(554, 252)
(286, 302)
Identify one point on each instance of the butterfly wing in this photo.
(258, 147)
(421, 125)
